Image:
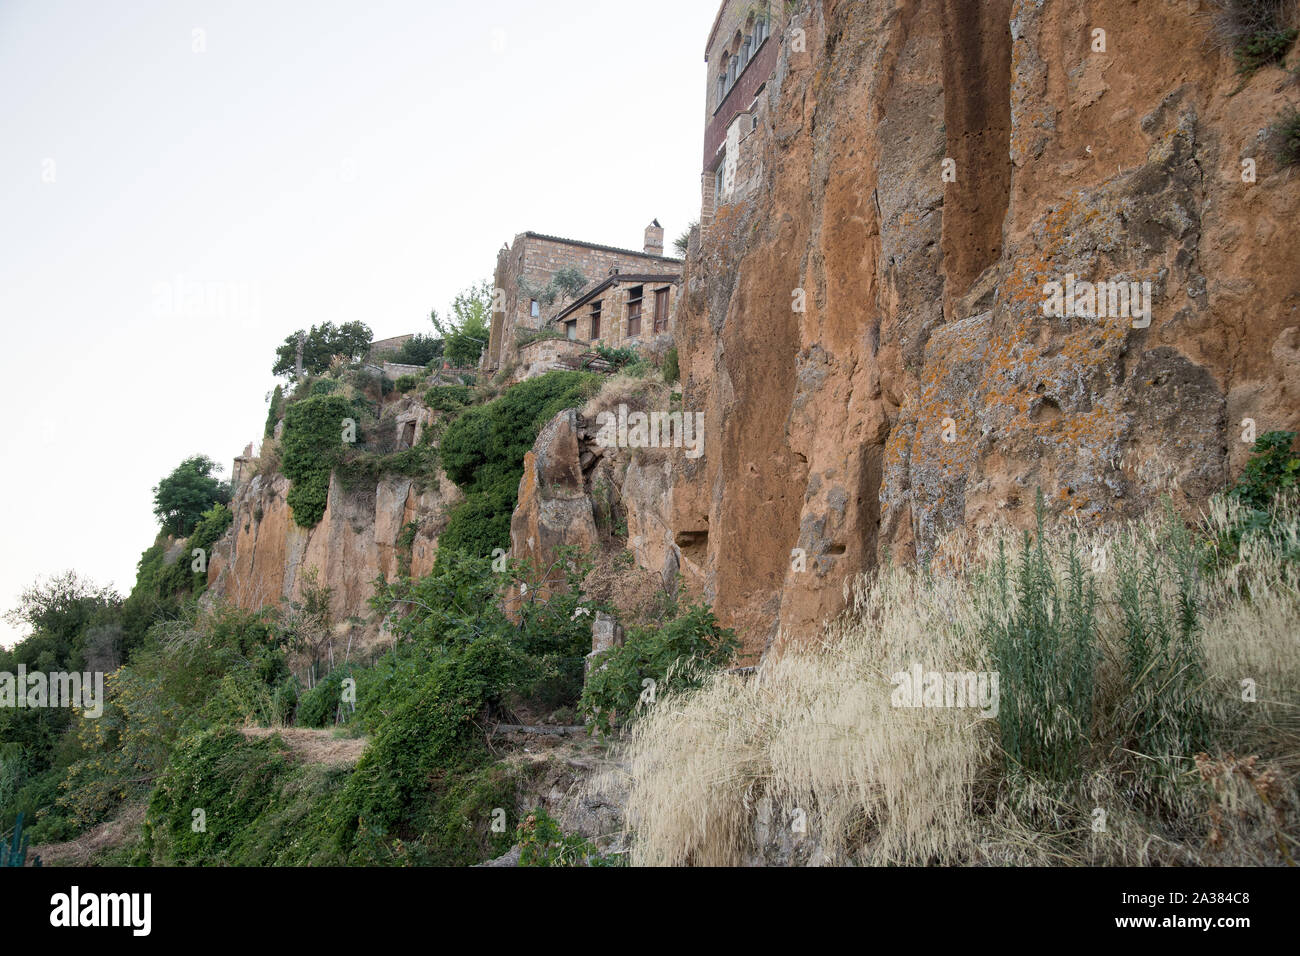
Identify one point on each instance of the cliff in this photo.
(922, 387)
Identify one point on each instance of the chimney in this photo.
(654, 239)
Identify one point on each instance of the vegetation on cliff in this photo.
(1149, 680)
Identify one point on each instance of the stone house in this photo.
(624, 310)
(742, 55)
(530, 263)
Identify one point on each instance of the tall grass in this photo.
(1123, 654)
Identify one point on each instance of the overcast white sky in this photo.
(319, 160)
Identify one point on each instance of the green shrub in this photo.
(1286, 138)
(448, 398)
(406, 383)
(274, 412)
(1164, 712)
(670, 369)
(1261, 49)
(677, 656)
(319, 706)
(618, 357)
(543, 843)
(323, 386)
(483, 452)
(312, 445)
(1044, 638)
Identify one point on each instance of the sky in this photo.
(183, 184)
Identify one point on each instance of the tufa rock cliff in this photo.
(922, 386)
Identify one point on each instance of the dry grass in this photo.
(314, 746)
(815, 730)
(113, 834)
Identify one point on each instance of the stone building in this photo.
(742, 55)
(528, 266)
(625, 309)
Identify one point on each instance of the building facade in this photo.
(624, 310)
(742, 54)
(527, 267)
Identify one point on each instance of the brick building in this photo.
(741, 54)
(529, 264)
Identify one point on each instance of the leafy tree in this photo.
(180, 499)
(274, 411)
(683, 242)
(420, 350)
(565, 284)
(320, 345)
(466, 334)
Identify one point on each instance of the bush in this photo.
(319, 706)
(406, 383)
(1043, 636)
(1286, 138)
(1254, 31)
(543, 843)
(448, 398)
(678, 655)
(670, 369)
(618, 357)
(483, 452)
(312, 446)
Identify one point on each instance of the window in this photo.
(661, 311)
(731, 73)
(595, 320)
(745, 49)
(535, 309)
(719, 178)
(571, 330)
(722, 88)
(634, 311)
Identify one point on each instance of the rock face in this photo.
(866, 335)
(576, 493)
(554, 509)
(263, 558)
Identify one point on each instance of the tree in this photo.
(683, 242)
(320, 345)
(180, 499)
(466, 335)
(420, 350)
(565, 284)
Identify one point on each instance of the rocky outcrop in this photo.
(554, 509)
(866, 335)
(365, 532)
(577, 494)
